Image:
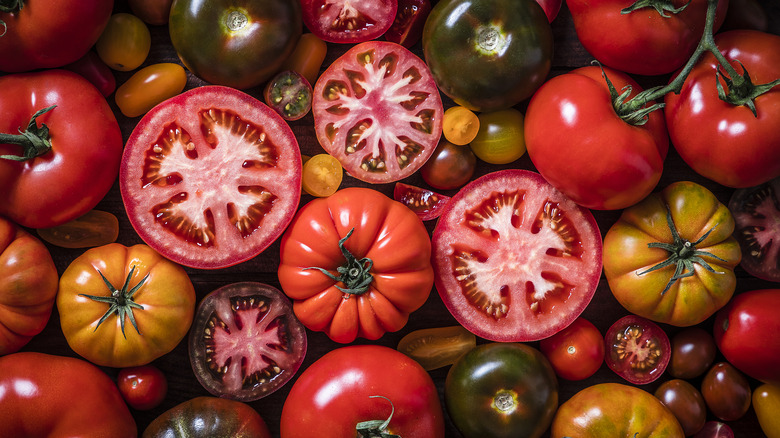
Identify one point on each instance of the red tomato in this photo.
(746, 333)
(756, 213)
(709, 149)
(409, 21)
(551, 8)
(142, 387)
(211, 177)
(47, 34)
(345, 21)
(427, 204)
(575, 352)
(378, 110)
(582, 147)
(715, 429)
(95, 71)
(644, 41)
(514, 259)
(78, 160)
(46, 396)
(638, 350)
(359, 387)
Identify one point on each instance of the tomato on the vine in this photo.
(143, 387)
(575, 352)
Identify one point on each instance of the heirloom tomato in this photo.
(637, 349)
(766, 403)
(348, 21)
(356, 263)
(501, 138)
(240, 44)
(409, 21)
(363, 390)
(449, 167)
(575, 352)
(671, 257)
(49, 33)
(93, 228)
(437, 347)
(211, 177)
(693, 352)
(726, 392)
(709, 149)
(42, 395)
(377, 109)
(289, 94)
(28, 286)
(579, 143)
(490, 54)
(307, 58)
(143, 387)
(685, 402)
(426, 203)
(615, 410)
(93, 69)
(207, 417)
(515, 259)
(124, 306)
(60, 147)
(756, 213)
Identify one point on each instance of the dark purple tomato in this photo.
(289, 94)
(449, 167)
(726, 392)
(685, 402)
(693, 352)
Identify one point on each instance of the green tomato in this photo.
(500, 139)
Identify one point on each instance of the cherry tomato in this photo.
(289, 94)
(449, 167)
(94, 228)
(322, 175)
(143, 387)
(437, 347)
(124, 43)
(409, 22)
(685, 402)
(307, 57)
(638, 349)
(726, 392)
(426, 203)
(693, 351)
(766, 403)
(459, 125)
(501, 137)
(150, 86)
(575, 352)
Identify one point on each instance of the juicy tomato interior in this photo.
(427, 204)
(348, 21)
(637, 349)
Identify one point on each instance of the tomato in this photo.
(766, 403)
(693, 352)
(551, 8)
(715, 429)
(211, 177)
(637, 349)
(377, 109)
(615, 410)
(49, 34)
(569, 121)
(449, 167)
(685, 402)
(726, 392)
(489, 54)
(409, 21)
(645, 41)
(438, 347)
(500, 139)
(125, 42)
(322, 175)
(671, 257)
(204, 417)
(150, 86)
(124, 306)
(93, 228)
(362, 389)
(76, 163)
(514, 259)
(756, 213)
(576, 352)
(355, 263)
(745, 333)
(143, 387)
(427, 204)
(240, 44)
(344, 21)
(93, 69)
(307, 58)
(28, 286)
(460, 125)
(289, 94)
(42, 395)
(245, 342)
(154, 12)
(719, 124)
(501, 390)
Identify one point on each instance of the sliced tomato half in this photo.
(211, 177)
(427, 204)
(348, 21)
(515, 260)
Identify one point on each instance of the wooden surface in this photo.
(603, 310)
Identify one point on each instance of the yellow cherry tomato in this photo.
(322, 175)
(501, 137)
(94, 228)
(307, 58)
(766, 403)
(460, 125)
(150, 86)
(125, 42)
(437, 347)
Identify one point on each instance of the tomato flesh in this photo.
(756, 213)
(345, 21)
(427, 204)
(638, 350)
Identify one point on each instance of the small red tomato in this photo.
(575, 352)
(143, 387)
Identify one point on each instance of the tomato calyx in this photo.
(120, 302)
(355, 274)
(35, 140)
(9, 7)
(377, 428)
(740, 89)
(661, 6)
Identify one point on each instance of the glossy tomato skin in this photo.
(124, 43)
(449, 167)
(154, 12)
(614, 409)
(143, 387)
(726, 392)
(206, 417)
(149, 86)
(569, 121)
(685, 402)
(349, 22)
(766, 403)
(745, 332)
(501, 390)
(83, 162)
(386, 232)
(693, 352)
(720, 125)
(348, 378)
(47, 395)
(575, 352)
(95, 71)
(238, 44)
(437, 347)
(488, 55)
(51, 34)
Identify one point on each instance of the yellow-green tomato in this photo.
(125, 42)
(766, 403)
(150, 86)
(500, 139)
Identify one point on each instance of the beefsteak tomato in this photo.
(356, 263)
(207, 417)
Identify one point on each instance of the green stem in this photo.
(377, 428)
(355, 274)
(9, 7)
(35, 140)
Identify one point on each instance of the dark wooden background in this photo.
(603, 310)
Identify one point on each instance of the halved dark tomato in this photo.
(211, 177)
(515, 259)
(348, 21)
(426, 203)
(407, 27)
(289, 94)
(756, 213)
(245, 342)
(638, 350)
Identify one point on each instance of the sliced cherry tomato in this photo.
(575, 352)
(94, 228)
(409, 22)
(715, 429)
(211, 177)
(124, 43)
(693, 352)
(756, 213)
(438, 347)
(460, 125)
(685, 402)
(426, 203)
(500, 139)
(514, 259)
(726, 391)
(307, 58)
(150, 86)
(143, 387)
(449, 167)
(245, 342)
(348, 21)
(289, 94)
(93, 69)
(322, 175)
(638, 350)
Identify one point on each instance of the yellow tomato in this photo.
(322, 175)
(460, 125)
(307, 57)
(766, 403)
(125, 42)
(501, 137)
(150, 86)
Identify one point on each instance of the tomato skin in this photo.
(568, 122)
(37, 393)
(437, 347)
(726, 392)
(685, 402)
(715, 429)
(95, 71)
(745, 332)
(693, 352)
(143, 387)
(449, 167)
(720, 125)
(204, 417)
(154, 12)
(575, 352)
(307, 58)
(350, 376)
(766, 403)
(94, 228)
(76, 172)
(124, 43)
(501, 138)
(149, 86)
(28, 286)
(51, 34)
